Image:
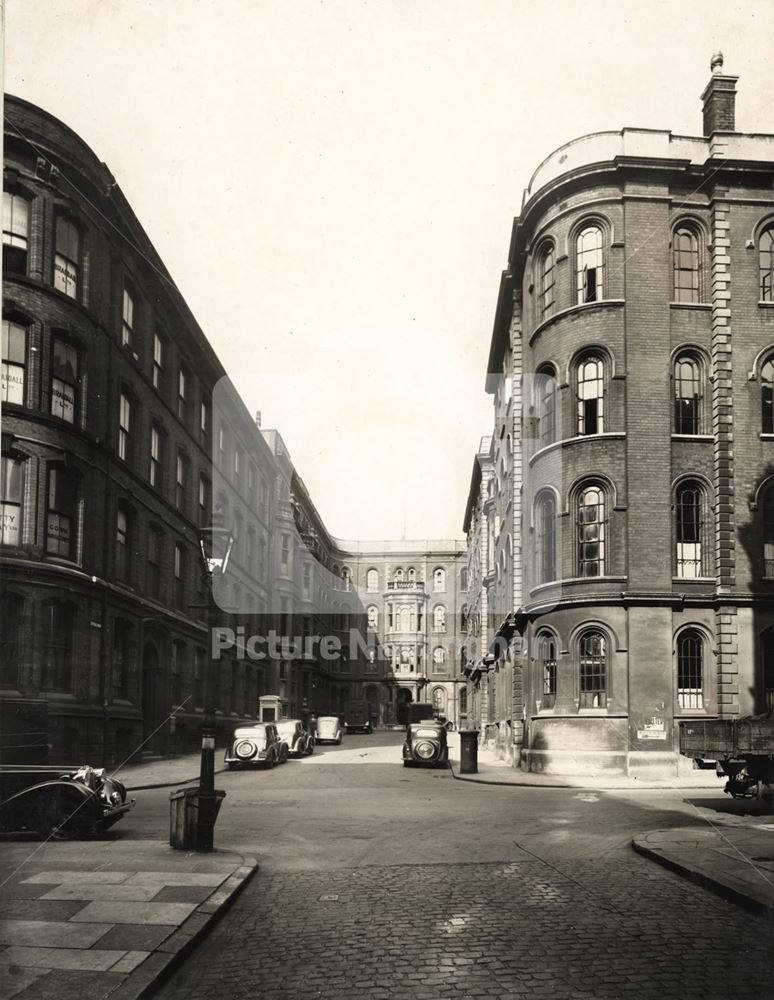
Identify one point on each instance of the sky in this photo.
(332, 185)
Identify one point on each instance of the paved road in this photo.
(382, 882)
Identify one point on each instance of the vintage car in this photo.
(425, 744)
(329, 729)
(258, 744)
(60, 802)
(299, 740)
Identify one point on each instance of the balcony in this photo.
(403, 585)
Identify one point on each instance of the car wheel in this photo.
(338, 742)
(310, 750)
(50, 819)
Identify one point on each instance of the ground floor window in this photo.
(690, 670)
(593, 670)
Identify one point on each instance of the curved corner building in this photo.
(635, 324)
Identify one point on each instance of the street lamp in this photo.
(216, 543)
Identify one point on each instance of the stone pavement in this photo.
(612, 927)
(90, 918)
(494, 771)
(735, 860)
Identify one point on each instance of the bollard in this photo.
(468, 751)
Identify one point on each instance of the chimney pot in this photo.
(719, 99)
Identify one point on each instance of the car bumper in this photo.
(111, 816)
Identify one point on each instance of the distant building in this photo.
(632, 365)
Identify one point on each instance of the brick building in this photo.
(634, 344)
(121, 434)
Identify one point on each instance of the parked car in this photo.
(425, 744)
(257, 744)
(356, 717)
(60, 802)
(329, 729)
(300, 742)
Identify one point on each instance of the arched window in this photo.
(439, 656)
(14, 364)
(768, 534)
(767, 396)
(589, 264)
(590, 391)
(398, 575)
(688, 394)
(685, 264)
(372, 581)
(439, 700)
(690, 669)
(591, 523)
(546, 656)
(545, 405)
(547, 280)
(690, 529)
(411, 575)
(439, 580)
(11, 500)
(439, 618)
(463, 701)
(545, 537)
(464, 578)
(593, 670)
(346, 577)
(766, 263)
(373, 617)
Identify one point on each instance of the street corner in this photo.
(736, 863)
(93, 932)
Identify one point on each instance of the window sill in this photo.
(766, 437)
(571, 310)
(694, 437)
(765, 305)
(694, 579)
(701, 306)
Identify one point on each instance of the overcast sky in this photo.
(332, 186)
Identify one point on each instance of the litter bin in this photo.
(468, 751)
(184, 815)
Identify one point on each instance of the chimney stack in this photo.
(719, 99)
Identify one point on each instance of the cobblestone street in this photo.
(568, 912)
(522, 929)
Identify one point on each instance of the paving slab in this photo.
(720, 857)
(68, 931)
